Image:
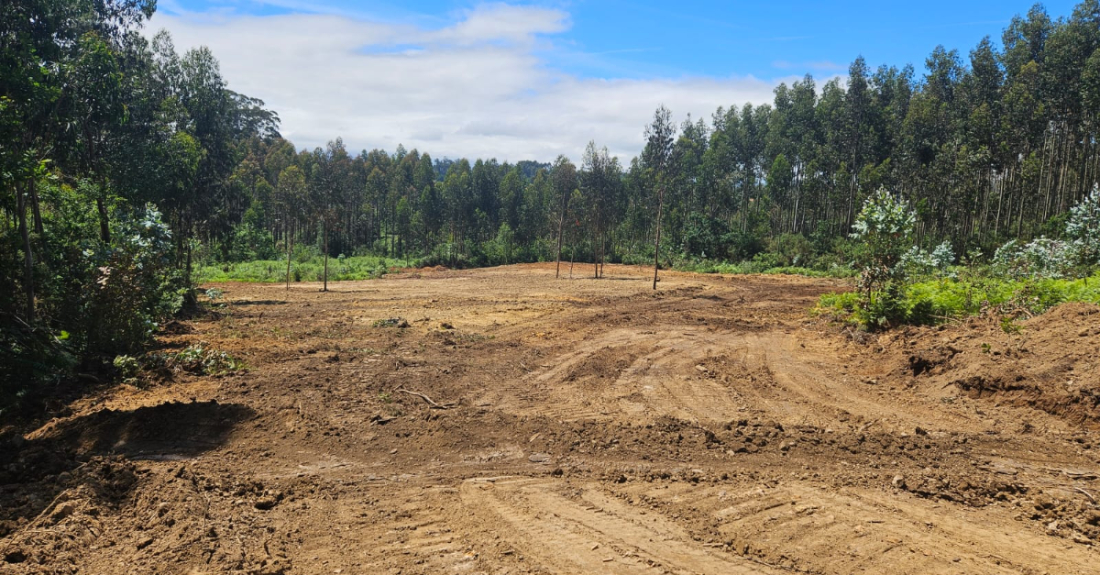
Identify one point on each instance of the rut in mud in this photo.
(522, 424)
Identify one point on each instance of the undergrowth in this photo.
(935, 301)
(308, 270)
(754, 267)
(196, 359)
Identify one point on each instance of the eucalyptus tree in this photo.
(656, 155)
(600, 181)
(290, 195)
(563, 177)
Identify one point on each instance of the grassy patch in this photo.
(753, 267)
(935, 301)
(312, 269)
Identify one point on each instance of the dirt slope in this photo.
(590, 426)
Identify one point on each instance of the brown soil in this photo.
(522, 424)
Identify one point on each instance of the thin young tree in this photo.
(564, 178)
(291, 192)
(658, 150)
(600, 179)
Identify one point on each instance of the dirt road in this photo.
(522, 424)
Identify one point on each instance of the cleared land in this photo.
(522, 424)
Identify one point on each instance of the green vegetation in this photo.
(935, 301)
(309, 270)
(117, 154)
(917, 287)
(761, 266)
(196, 359)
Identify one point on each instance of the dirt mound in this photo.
(1049, 363)
(1083, 315)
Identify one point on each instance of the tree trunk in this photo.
(657, 242)
(561, 227)
(289, 249)
(32, 186)
(28, 255)
(325, 274)
(104, 225)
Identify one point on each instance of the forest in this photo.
(127, 168)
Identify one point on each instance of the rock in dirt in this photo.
(62, 511)
(265, 503)
(539, 458)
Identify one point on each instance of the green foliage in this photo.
(274, 271)
(32, 361)
(135, 284)
(127, 365)
(987, 151)
(757, 266)
(196, 359)
(704, 237)
(250, 243)
(934, 301)
(1009, 325)
(884, 229)
(919, 263)
(793, 250)
(501, 249)
(1083, 228)
(1039, 258)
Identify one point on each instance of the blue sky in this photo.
(532, 80)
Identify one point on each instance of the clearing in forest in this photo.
(519, 424)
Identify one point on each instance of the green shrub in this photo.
(1083, 228)
(792, 250)
(196, 359)
(274, 271)
(134, 285)
(883, 229)
(935, 301)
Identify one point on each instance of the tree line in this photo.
(988, 147)
(117, 153)
(124, 163)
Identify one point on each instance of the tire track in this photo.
(593, 533)
(860, 531)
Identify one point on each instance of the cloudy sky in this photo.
(531, 81)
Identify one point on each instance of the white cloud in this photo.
(485, 86)
(503, 22)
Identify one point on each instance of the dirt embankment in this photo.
(522, 424)
(1049, 363)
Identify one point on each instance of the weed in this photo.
(129, 368)
(1009, 325)
(308, 267)
(197, 359)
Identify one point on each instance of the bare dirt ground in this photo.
(522, 424)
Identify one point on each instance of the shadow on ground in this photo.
(96, 451)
